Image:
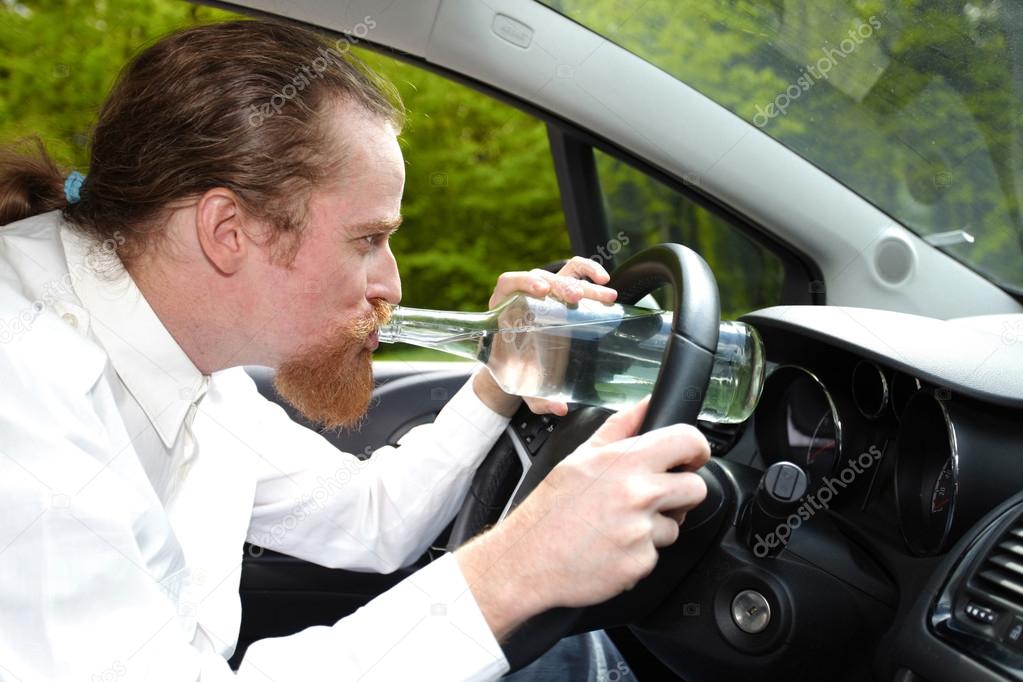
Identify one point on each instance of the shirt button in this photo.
(70, 319)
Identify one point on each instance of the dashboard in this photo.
(910, 432)
(883, 443)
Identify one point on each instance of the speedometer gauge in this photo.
(941, 496)
(797, 422)
(926, 474)
(823, 443)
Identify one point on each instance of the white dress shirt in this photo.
(129, 481)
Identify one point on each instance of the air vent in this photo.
(980, 609)
(1000, 575)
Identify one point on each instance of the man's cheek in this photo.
(313, 288)
(323, 300)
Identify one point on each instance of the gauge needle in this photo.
(812, 457)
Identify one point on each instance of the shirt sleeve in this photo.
(317, 503)
(88, 564)
(426, 627)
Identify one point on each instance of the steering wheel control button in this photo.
(534, 431)
(751, 612)
(540, 438)
(981, 614)
(765, 521)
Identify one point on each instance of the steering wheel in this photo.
(677, 398)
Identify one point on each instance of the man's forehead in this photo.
(365, 136)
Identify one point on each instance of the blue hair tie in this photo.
(73, 186)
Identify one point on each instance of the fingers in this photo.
(620, 425)
(663, 449)
(512, 282)
(568, 285)
(681, 492)
(677, 515)
(579, 267)
(542, 406)
(692, 450)
(665, 530)
(573, 290)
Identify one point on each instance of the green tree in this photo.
(58, 59)
(917, 112)
(481, 197)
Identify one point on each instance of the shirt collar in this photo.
(150, 363)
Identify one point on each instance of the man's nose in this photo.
(384, 280)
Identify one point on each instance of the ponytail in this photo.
(30, 181)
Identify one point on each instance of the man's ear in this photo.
(219, 224)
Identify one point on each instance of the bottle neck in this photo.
(457, 333)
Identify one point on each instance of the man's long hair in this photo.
(242, 105)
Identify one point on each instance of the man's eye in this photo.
(377, 239)
(373, 239)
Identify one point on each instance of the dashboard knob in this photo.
(751, 612)
(778, 495)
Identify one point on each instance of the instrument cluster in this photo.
(871, 438)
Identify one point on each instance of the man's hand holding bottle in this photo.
(592, 527)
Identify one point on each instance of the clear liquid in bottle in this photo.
(589, 353)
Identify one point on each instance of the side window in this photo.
(642, 211)
(481, 196)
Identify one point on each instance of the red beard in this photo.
(331, 383)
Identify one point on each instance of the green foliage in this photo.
(930, 139)
(480, 199)
(480, 193)
(643, 211)
(918, 112)
(58, 59)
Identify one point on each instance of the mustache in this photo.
(364, 327)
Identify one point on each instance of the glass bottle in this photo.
(591, 353)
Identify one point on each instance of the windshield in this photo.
(915, 104)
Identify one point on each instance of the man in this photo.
(136, 456)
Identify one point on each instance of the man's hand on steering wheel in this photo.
(569, 285)
(593, 514)
(591, 528)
